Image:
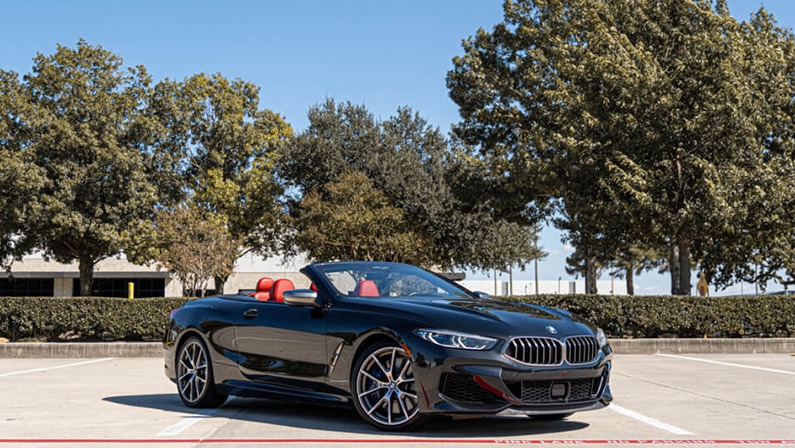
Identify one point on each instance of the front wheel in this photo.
(383, 387)
(195, 382)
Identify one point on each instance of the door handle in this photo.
(250, 314)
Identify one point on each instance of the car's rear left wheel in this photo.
(195, 382)
(383, 387)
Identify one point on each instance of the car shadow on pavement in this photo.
(164, 402)
(322, 418)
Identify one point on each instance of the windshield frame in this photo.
(386, 276)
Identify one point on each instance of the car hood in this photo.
(492, 317)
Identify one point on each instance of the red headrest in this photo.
(278, 288)
(366, 288)
(263, 288)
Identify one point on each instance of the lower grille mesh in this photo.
(534, 392)
(461, 387)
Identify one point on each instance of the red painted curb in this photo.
(405, 441)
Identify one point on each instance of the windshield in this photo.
(366, 279)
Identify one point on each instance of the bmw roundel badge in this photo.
(552, 330)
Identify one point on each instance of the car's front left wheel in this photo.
(383, 387)
(195, 382)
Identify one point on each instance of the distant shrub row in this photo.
(84, 318)
(681, 316)
(113, 319)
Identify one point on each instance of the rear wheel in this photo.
(195, 382)
(383, 387)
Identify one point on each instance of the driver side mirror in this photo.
(482, 295)
(302, 297)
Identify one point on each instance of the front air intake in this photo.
(581, 349)
(536, 351)
(541, 351)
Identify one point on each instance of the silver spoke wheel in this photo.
(192, 379)
(385, 387)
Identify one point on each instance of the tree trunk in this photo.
(86, 266)
(630, 281)
(673, 264)
(590, 275)
(685, 288)
(680, 268)
(220, 281)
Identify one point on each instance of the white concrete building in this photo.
(528, 287)
(36, 277)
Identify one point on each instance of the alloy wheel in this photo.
(385, 388)
(192, 376)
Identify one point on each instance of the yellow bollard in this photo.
(130, 290)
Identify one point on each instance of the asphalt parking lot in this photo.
(709, 400)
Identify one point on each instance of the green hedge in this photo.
(104, 319)
(85, 318)
(681, 316)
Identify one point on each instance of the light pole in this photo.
(510, 280)
(535, 261)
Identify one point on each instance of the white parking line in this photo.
(709, 361)
(187, 422)
(648, 420)
(190, 420)
(44, 369)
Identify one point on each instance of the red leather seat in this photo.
(366, 288)
(278, 288)
(263, 291)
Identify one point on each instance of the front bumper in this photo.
(483, 384)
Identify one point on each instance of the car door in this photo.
(282, 346)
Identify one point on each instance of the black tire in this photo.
(195, 381)
(383, 389)
(550, 417)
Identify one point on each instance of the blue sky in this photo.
(384, 54)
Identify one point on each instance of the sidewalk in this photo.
(622, 346)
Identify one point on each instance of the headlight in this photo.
(452, 339)
(601, 337)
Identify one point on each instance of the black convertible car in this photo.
(395, 341)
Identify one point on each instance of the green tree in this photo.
(80, 136)
(670, 111)
(411, 163)
(195, 247)
(19, 178)
(588, 258)
(761, 230)
(356, 222)
(217, 154)
(588, 225)
(582, 263)
(633, 261)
